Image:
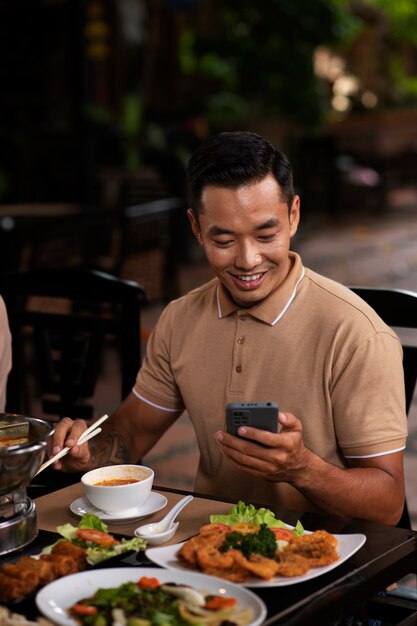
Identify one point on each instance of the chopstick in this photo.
(91, 432)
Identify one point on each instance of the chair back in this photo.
(61, 321)
(151, 241)
(398, 309)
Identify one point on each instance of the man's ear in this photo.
(294, 215)
(195, 226)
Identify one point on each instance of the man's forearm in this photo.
(369, 493)
(109, 448)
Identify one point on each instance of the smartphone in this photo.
(262, 415)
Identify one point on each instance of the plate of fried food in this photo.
(76, 548)
(262, 552)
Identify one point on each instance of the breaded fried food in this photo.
(319, 548)
(204, 551)
(222, 564)
(11, 588)
(67, 548)
(235, 574)
(29, 579)
(63, 564)
(256, 564)
(290, 564)
(210, 556)
(188, 551)
(44, 569)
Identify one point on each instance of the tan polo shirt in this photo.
(313, 347)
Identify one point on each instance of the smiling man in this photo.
(246, 233)
(265, 329)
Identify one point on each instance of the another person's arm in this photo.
(5, 353)
(371, 488)
(129, 433)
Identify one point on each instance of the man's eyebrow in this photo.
(268, 224)
(218, 230)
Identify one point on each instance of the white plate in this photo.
(154, 503)
(347, 546)
(54, 599)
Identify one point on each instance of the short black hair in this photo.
(232, 159)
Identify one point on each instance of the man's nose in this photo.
(248, 256)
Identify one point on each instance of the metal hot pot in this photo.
(23, 445)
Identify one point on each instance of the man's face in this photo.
(245, 234)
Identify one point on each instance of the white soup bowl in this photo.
(118, 498)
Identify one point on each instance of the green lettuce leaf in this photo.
(68, 531)
(89, 520)
(242, 512)
(97, 553)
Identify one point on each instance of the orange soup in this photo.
(116, 481)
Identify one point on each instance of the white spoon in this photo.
(165, 529)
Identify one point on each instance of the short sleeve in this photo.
(155, 381)
(369, 422)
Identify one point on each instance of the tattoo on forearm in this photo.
(111, 448)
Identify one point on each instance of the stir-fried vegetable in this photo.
(148, 603)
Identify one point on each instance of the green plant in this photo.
(256, 59)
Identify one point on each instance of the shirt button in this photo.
(241, 339)
(243, 316)
(238, 368)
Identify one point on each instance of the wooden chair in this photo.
(61, 321)
(398, 309)
(150, 247)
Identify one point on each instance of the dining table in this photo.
(353, 592)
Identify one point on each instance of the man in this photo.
(265, 329)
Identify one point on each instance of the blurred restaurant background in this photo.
(102, 103)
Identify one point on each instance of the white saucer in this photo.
(154, 503)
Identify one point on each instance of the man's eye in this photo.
(223, 243)
(266, 237)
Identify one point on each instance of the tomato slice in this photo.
(148, 583)
(245, 528)
(283, 534)
(85, 609)
(218, 603)
(96, 536)
(214, 528)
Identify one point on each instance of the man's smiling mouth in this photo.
(250, 278)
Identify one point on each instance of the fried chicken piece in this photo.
(188, 551)
(256, 564)
(44, 569)
(28, 578)
(235, 574)
(290, 564)
(69, 549)
(11, 588)
(63, 564)
(318, 547)
(210, 556)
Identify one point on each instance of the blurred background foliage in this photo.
(257, 59)
(89, 85)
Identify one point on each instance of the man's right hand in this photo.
(67, 432)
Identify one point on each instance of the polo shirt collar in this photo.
(275, 305)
